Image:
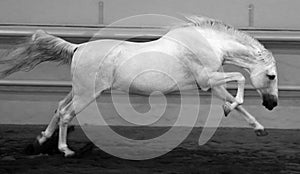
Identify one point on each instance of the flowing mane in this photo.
(205, 22)
(263, 55)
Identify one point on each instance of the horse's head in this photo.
(264, 78)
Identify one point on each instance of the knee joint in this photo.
(65, 119)
(61, 113)
(241, 79)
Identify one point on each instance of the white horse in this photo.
(196, 52)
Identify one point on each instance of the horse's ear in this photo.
(37, 34)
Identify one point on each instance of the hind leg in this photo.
(67, 113)
(54, 121)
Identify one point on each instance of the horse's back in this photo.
(144, 67)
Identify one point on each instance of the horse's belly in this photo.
(149, 82)
(162, 73)
(153, 81)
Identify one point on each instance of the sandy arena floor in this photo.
(231, 150)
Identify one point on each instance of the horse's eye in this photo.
(271, 77)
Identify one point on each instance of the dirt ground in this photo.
(231, 150)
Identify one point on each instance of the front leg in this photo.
(219, 78)
(221, 92)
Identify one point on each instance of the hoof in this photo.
(261, 132)
(227, 109)
(33, 148)
(69, 154)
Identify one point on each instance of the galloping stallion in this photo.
(192, 54)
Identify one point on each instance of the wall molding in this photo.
(82, 33)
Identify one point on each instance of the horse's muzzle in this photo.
(270, 101)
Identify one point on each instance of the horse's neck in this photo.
(225, 47)
(196, 44)
(229, 49)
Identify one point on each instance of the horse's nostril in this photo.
(271, 77)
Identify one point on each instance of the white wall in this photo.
(49, 12)
(267, 13)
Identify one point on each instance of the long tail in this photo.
(38, 48)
